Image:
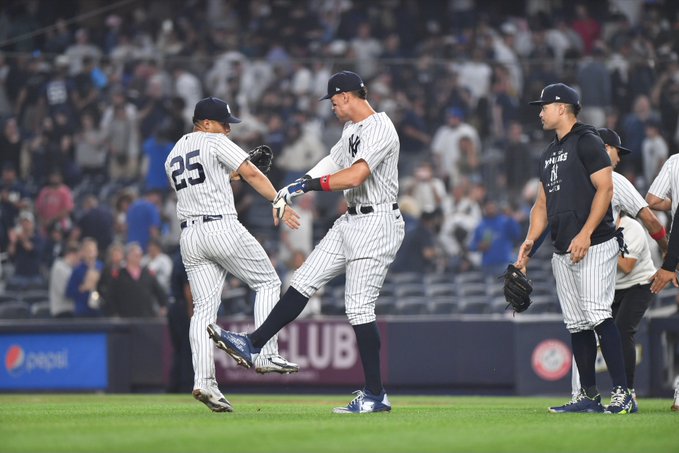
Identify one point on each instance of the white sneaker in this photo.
(675, 404)
(213, 399)
(274, 364)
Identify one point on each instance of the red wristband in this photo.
(658, 235)
(325, 183)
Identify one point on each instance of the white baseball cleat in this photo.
(274, 364)
(213, 399)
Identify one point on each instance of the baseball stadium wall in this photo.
(464, 354)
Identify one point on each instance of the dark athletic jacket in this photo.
(565, 175)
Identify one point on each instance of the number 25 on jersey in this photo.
(187, 164)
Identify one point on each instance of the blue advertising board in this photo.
(74, 361)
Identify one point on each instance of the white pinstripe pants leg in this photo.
(210, 251)
(363, 244)
(586, 289)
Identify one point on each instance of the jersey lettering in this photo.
(354, 141)
(187, 166)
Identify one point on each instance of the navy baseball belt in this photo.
(205, 219)
(366, 209)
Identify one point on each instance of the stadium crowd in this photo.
(90, 108)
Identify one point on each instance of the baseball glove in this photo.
(517, 289)
(261, 157)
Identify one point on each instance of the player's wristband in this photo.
(325, 183)
(318, 184)
(658, 235)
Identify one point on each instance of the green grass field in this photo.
(294, 423)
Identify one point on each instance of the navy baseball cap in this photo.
(611, 138)
(342, 82)
(557, 92)
(213, 109)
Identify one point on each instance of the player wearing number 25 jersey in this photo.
(214, 243)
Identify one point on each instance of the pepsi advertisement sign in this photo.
(74, 361)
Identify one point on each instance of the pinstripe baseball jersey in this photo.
(626, 198)
(362, 244)
(376, 142)
(666, 184)
(199, 168)
(637, 248)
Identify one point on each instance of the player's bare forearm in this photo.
(538, 224)
(657, 203)
(351, 177)
(257, 180)
(655, 228)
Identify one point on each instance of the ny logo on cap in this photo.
(337, 88)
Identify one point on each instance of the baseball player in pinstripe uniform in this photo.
(214, 243)
(632, 287)
(662, 195)
(362, 242)
(574, 201)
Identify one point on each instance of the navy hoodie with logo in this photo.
(565, 175)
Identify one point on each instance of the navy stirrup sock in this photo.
(284, 312)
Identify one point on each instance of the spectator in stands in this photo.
(634, 132)
(446, 145)
(143, 218)
(495, 237)
(62, 306)
(85, 94)
(55, 202)
(135, 293)
(427, 190)
(90, 149)
(518, 161)
(158, 263)
(419, 251)
(55, 242)
(302, 148)
(120, 127)
(82, 284)
(113, 262)
(461, 215)
(156, 148)
(80, 51)
(654, 150)
(11, 144)
(96, 221)
(595, 86)
(586, 26)
(25, 251)
(12, 199)
(123, 200)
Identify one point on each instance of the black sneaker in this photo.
(581, 403)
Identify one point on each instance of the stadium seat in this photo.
(411, 306)
(409, 290)
(41, 310)
(475, 305)
(434, 279)
(443, 306)
(441, 290)
(15, 310)
(401, 278)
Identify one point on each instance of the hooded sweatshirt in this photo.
(565, 176)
